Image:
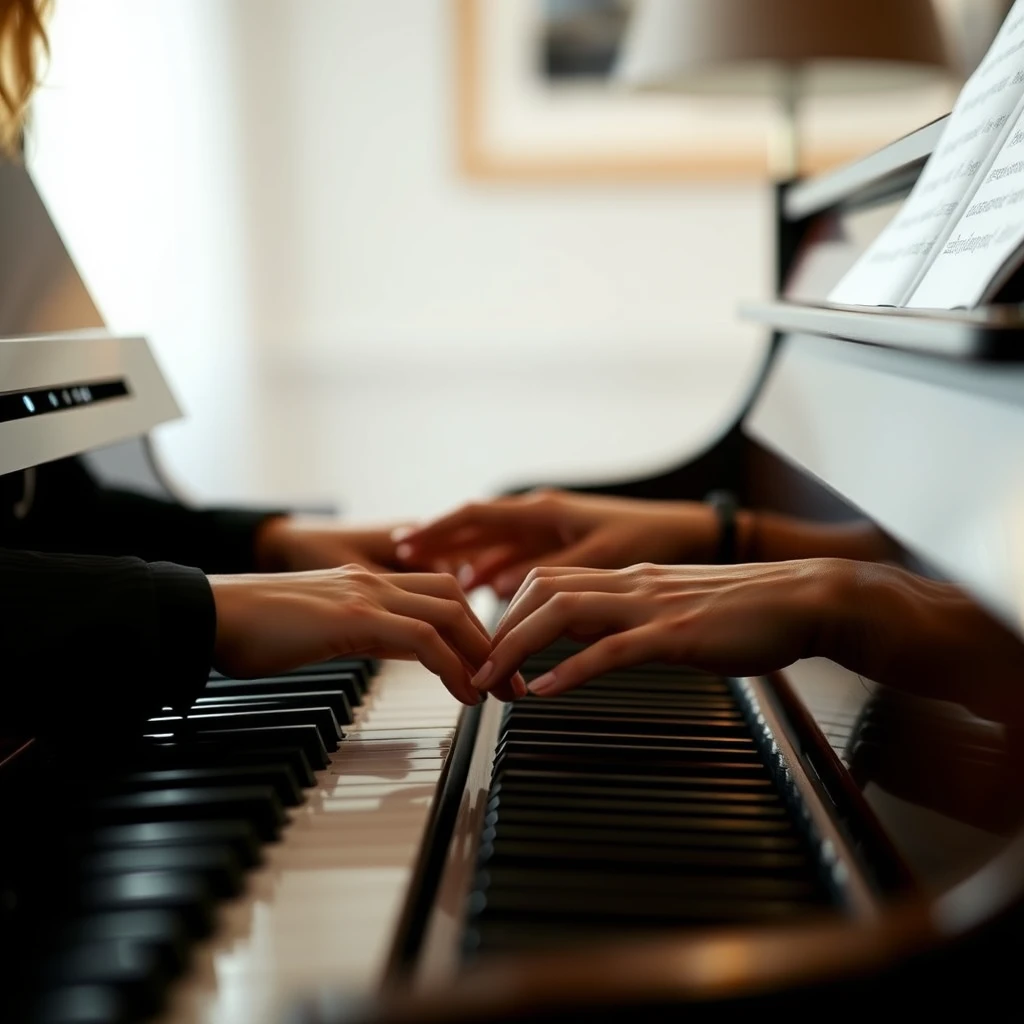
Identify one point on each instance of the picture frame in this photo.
(513, 125)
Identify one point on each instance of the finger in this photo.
(436, 584)
(482, 568)
(386, 630)
(566, 613)
(620, 650)
(491, 517)
(545, 582)
(474, 649)
(463, 542)
(593, 551)
(451, 620)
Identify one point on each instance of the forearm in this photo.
(99, 642)
(71, 512)
(919, 635)
(770, 537)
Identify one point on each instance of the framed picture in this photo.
(536, 101)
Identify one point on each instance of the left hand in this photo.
(302, 543)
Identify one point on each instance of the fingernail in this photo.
(401, 532)
(465, 575)
(519, 685)
(542, 684)
(485, 673)
(404, 550)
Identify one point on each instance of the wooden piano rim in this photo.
(709, 967)
(718, 966)
(430, 860)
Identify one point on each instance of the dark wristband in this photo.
(725, 505)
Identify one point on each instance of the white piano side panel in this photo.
(45, 361)
(932, 450)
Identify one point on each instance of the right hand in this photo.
(500, 541)
(273, 622)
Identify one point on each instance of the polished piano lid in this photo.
(64, 394)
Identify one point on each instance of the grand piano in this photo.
(658, 842)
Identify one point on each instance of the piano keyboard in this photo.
(162, 851)
(639, 802)
(651, 800)
(269, 842)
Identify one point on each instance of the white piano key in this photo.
(325, 905)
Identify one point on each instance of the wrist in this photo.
(746, 536)
(271, 544)
(725, 507)
(851, 601)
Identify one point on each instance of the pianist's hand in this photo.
(875, 619)
(298, 543)
(269, 623)
(500, 541)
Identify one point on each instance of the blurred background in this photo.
(396, 253)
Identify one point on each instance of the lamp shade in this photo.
(753, 46)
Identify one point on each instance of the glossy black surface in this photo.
(106, 883)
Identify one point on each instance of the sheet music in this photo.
(984, 111)
(988, 232)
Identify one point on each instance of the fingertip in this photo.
(519, 685)
(466, 577)
(404, 551)
(543, 685)
(483, 674)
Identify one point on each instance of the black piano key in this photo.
(245, 718)
(160, 930)
(535, 885)
(585, 855)
(619, 782)
(734, 747)
(689, 818)
(186, 895)
(622, 907)
(132, 969)
(720, 725)
(238, 836)
(344, 681)
(334, 699)
(521, 788)
(256, 804)
(638, 762)
(614, 701)
(546, 811)
(596, 835)
(278, 777)
(82, 1004)
(306, 737)
(216, 864)
(209, 754)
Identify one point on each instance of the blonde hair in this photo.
(22, 42)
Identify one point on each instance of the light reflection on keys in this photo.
(325, 905)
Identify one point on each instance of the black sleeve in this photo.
(89, 640)
(71, 512)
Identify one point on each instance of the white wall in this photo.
(134, 150)
(267, 188)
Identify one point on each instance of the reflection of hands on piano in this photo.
(269, 623)
(748, 620)
(299, 543)
(498, 542)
